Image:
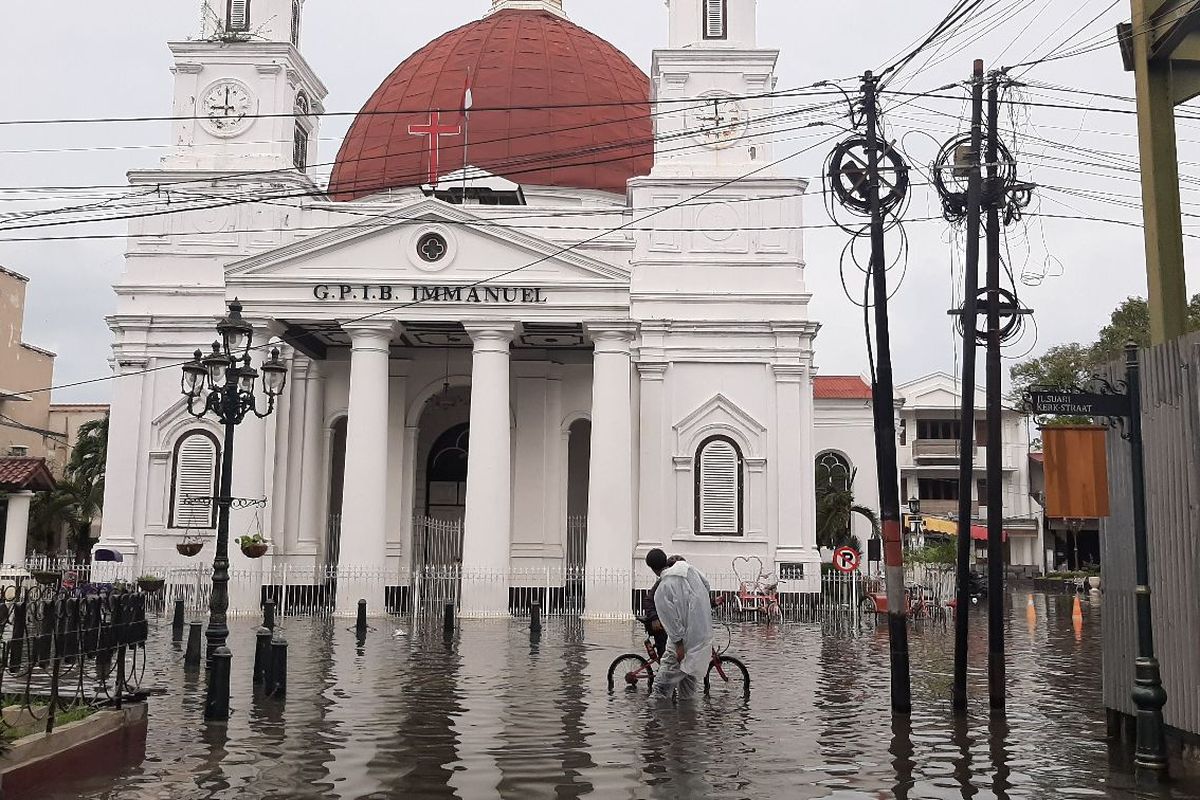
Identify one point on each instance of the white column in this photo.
(313, 489)
(610, 488)
(794, 472)
(121, 475)
(16, 532)
(287, 490)
(654, 459)
(364, 504)
(487, 529)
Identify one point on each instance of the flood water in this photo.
(492, 712)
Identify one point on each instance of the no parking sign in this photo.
(846, 559)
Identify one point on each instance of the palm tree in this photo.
(78, 498)
(836, 509)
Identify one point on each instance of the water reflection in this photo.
(495, 711)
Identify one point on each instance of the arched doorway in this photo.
(440, 479)
(337, 474)
(446, 474)
(579, 457)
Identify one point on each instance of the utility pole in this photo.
(883, 404)
(996, 193)
(1159, 47)
(966, 441)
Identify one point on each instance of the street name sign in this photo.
(1079, 404)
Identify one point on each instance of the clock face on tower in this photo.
(227, 108)
(717, 119)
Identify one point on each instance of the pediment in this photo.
(385, 248)
(719, 414)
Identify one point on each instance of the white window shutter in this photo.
(239, 15)
(720, 484)
(714, 19)
(195, 477)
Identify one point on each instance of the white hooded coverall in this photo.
(685, 610)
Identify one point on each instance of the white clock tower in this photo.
(718, 290)
(245, 97)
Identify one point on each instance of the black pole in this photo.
(995, 450)
(262, 655)
(1149, 697)
(883, 403)
(216, 702)
(177, 621)
(966, 439)
(360, 623)
(218, 604)
(269, 614)
(191, 653)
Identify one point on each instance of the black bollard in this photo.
(448, 618)
(360, 624)
(177, 621)
(278, 667)
(535, 616)
(191, 655)
(216, 703)
(262, 655)
(269, 614)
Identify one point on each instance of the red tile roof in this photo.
(1038, 457)
(25, 474)
(840, 387)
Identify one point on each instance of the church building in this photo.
(548, 312)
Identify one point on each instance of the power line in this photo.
(475, 284)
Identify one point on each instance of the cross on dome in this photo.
(552, 6)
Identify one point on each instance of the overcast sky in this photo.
(87, 59)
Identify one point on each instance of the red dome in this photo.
(577, 110)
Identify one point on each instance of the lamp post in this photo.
(216, 383)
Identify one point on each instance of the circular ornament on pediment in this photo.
(432, 248)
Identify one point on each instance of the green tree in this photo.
(836, 510)
(78, 498)
(1130, 322)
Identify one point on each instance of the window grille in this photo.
(716, 25)
(719, 488)
(237, 15)
(194, 481)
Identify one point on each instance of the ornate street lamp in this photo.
(216, 383)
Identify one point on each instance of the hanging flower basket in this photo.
(46, 577)
(189, 549)
(253, 546)
(150, 584)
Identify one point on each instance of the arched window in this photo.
(237, 15)
(718, 469)
(716, 24)
(194, 481)
(296, 23)
(833, 472)
(300, 151)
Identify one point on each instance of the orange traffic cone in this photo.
(1077, 610)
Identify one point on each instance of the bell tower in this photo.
(710, 84)
(245, 97)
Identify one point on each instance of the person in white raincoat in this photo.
(683, 603)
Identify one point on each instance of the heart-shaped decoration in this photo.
(748, 569)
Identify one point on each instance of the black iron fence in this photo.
(67, 650)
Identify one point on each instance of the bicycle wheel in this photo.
(727, 676)
(630, 671)
(774, 613)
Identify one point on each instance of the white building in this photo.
(607, 294)
(929, 460)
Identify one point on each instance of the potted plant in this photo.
(151, 584)
(253, 546)
(46, 577)
(189, 547)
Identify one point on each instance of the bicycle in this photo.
(732, 677)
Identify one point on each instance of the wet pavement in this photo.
(494, 712)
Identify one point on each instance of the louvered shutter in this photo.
(719, 495)
(195, 477)
(714, 19)
(239, 15)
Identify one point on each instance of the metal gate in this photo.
(437, 564)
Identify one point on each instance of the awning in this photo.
(949, 527)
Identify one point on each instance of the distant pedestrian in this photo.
(682, 602)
